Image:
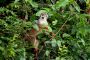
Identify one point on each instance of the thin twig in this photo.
(59, 29)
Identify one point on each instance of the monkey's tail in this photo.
(36, 54)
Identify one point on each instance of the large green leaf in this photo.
(59, 4)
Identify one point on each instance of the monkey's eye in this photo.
(42, 17)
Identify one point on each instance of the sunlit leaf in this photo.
(35, 27)
(59, 4)
(54, 22)
(49, 29)
(57, 58)
(58, 43)
(53, 43)
(33, 4)
(76, 6)
(47, 53)
(66, 35)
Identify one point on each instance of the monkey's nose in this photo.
(42, 17)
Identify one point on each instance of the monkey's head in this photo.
(43, 19)
(44, 16)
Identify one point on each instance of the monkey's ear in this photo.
(47, 15)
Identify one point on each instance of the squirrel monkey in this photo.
(42, 23)
(31, 35)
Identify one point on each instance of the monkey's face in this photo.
(43, 19)
(44, 16)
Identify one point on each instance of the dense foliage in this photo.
(68, 23)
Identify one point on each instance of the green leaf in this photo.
(58, 43)
(16, 1)
(1, 48)
(59, 4)
(48, 42)
(76, 7)
(49, 11)
(54, 22)
(53, 42)
(66, 35)
(28, 23)
(47, 52)
(83, 42)
(45, 10)
(57, 58)
(49, 29)
(35, 26)
(63, 58)
(33, 4)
